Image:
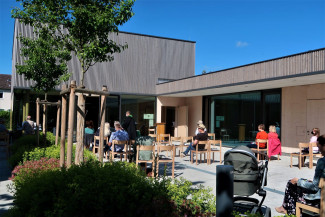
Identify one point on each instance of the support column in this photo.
(80, 128)
(71, 122)
(63, 126)
(37, 120)
(102, 124)
(57, 127)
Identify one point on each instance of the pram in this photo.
(250, 177)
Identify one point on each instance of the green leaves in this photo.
(45, 60)
(83, 27)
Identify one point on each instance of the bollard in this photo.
(225, 190)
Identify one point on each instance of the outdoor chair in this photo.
(301, 154)
(259, 150)
(146, 148)
(212, 136)
(177, 142)
(224, 134)
(154, 136)
(164, 139)
(215, 146)
(201, 148)
(126, 150)
(319, 210)
(4, 142)
(185, 142)
(164, 159)
(96, 146)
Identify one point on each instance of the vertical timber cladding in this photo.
(134, 70)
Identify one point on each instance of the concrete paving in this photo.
(278, 175)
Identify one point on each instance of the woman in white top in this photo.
(316, 133)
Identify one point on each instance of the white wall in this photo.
(5, 102)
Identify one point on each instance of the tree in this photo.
(82, 27)
(45, 61)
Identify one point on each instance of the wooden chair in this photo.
(162, 139)
(4, 142)
(258, 149)
(185, 143)
(96, 147)
(199, 151)
(212, 136)
(177, 142)
(301, 155)
(126, 151)
(164, 159)
(154, 136)
(215, 146)
(146, 148)
(321, 210)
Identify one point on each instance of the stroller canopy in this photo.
(247, 172)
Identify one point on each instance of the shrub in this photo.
(91, 189)
(190, 201)
(27, 143)
(30, 168)
(53, 152)
(6, 116)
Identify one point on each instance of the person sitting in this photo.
(119, 135)
(89, 127)
(28, 126)
(274, 142)
(107, 132)
(260, 135)
(146, 140)
(197, 129)
(201, 136)
(303, 190)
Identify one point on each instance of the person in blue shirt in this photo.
(89, 127)
(119, 135)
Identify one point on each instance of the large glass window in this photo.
(141, 107)
(235, 117)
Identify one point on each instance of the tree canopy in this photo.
(81, 27)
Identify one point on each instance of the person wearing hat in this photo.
(201, 136)
(197, 129)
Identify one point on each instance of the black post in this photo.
(225, 190)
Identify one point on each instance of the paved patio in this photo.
(278, 175)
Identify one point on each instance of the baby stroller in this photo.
(250, 177)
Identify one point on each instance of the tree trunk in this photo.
(80, 128)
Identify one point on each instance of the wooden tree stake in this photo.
(57, 123)
(37, 120)
(102, 124)
(80, 128)
(71, 122)
(63, 126)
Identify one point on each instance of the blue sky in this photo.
(228, 33)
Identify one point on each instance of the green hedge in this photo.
(6, 116)
(27, 143)
(91, 189)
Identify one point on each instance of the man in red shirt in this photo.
(260, 135)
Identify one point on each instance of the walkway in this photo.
(278, 175)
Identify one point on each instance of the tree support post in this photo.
(71, 122)
(80, 128)
(57, 127)
(37, 120)
(102, 123)
(63, 125)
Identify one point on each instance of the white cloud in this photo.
(241, 44)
